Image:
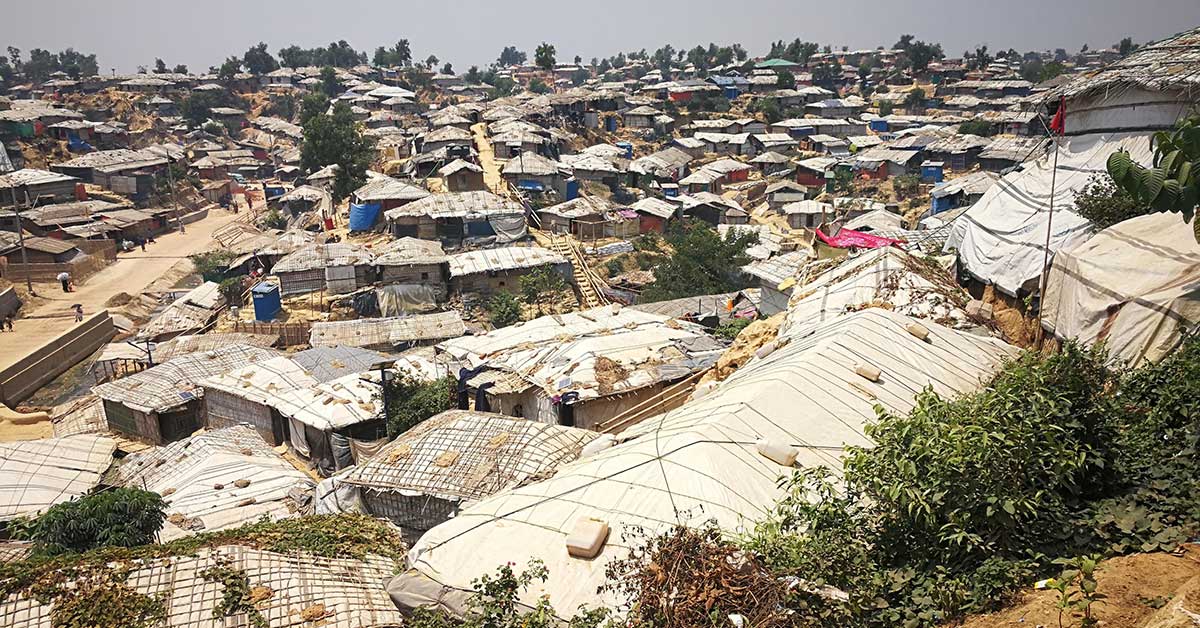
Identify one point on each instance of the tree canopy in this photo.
(511, 56)
(398, 55)
(258, 61)
(544, 56)
(702, 263)
(339, 54)
(335, 138)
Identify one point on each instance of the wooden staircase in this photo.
(591, 288)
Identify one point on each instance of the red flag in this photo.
(1058, 126)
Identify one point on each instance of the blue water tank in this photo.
(879, 126)
(628, 149)
(266, 302)
(610, 124)
(572, 189)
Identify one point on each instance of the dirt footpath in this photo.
(487, 159)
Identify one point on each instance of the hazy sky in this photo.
(200, 33)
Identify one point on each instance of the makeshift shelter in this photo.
(1135, 286)
(216, 480)
(190, 313)
(338, 268)
(455, 216)
(447, 462)
(775, 276)
(706, 460)
(589, 218)
(1001, 240)
(386, 334)
(584, 368)
(412, 262)
(37, 474)
(336, 592)
(164, 403)
(249, 395)
(498, 270)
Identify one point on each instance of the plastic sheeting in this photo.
(402, 299)
(1001, 239)
(848, 239)
(1135, 286)
(363, 216)
(509, 228)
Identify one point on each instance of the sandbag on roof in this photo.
(1135, 285)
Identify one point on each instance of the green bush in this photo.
(211, 265)
(960, 502)
(702, 263)
(503, 310)
(614, 267)
(411, 401)
(730, 329)
(122, 517)
(1105, 204)
(275, 220)
(982, 128)
(541, 282)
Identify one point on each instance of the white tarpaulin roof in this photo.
(37, 474)
(1134, 285)
(699, 461)
(1001, 239)
(884, 275)
(188, 472)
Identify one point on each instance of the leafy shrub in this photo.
(732, 328)
(702, 263)
(211, 265)
(614, 267)
(123, 517)
(906, 185)
(541, 282)
(650, 242)
(503, 310)
(1105, 204)
(410, 401)
(275, 220)
(982, 128)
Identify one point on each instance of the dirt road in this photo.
(487, 159)
(131, 273)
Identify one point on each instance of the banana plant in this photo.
(1173, 183)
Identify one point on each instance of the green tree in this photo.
(540, 283)
(511, 56)
(544, 56)
(785, 80)
(335, 138)
(580, 76)
(229, 69)
(915, 99)
(1126, 47)
(886, 108)
(196, 109)
(258, 61)
(1173, 182)
(212, 265)
(982, 128)
(448, 68)
(313, 105)
(411, 401)
(329, 82)
(122, 517)
(538, 86)
(702, 263)
(160, 66)
(503, 310)
(770, 109)
(473, 76)
(180, 69)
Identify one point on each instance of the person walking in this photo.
(78, 312)
(65, 279)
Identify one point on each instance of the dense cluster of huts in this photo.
(573, 430)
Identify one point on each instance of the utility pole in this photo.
(21, 239)
(174, 197)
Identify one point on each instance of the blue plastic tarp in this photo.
(362, 217)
